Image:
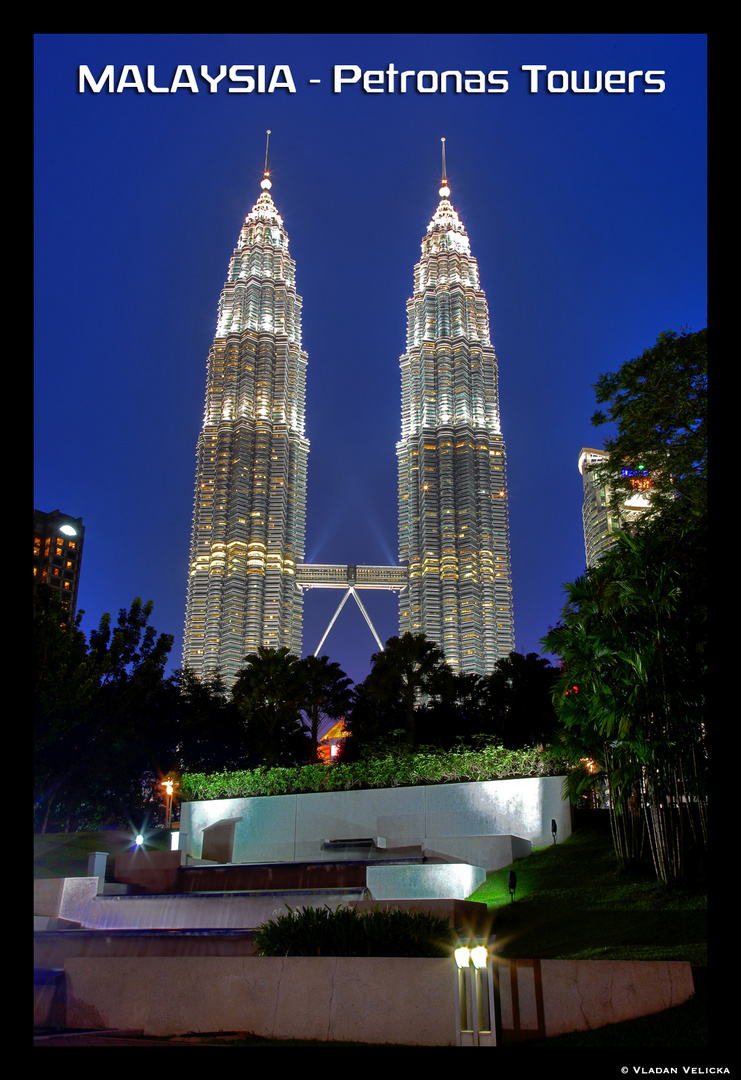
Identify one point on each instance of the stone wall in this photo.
(375, 1000)
(447, 819)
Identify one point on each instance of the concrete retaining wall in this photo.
(377, 1000)
(456, 881)
(439, 817)
(64, 898)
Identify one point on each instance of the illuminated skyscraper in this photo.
(453, 516)
(250, 493)
(57, 554)
(602, 514)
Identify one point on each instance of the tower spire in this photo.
(249, 508)
(453, 516)
(444, 190)
(265, 183)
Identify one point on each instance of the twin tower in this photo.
(247, 576)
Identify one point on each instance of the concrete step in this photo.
(242, 910)
(229, 877)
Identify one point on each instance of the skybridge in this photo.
(350, 577)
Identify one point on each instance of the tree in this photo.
(519, 696)
(268, 694)
(105, 715)
(402, 673)
(633, 633)
(456, 709)
(210, 727)
(631, 695)
(326, 693)
(65, 680)
(659, 402)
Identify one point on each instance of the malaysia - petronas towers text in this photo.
(246, 574)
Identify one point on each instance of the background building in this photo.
(601, 515)
(57, 554)
(250, 493)
(452, 470)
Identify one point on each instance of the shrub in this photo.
(347, 932)
(389, 769)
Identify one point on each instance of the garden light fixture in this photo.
(474, 997)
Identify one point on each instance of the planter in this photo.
(482, 822)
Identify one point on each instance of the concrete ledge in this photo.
(424, 881)
(153, 871)
(65, 898)
(491, 852)
(214, 911)
(376, 999)
(464, 915)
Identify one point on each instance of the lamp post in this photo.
(169, 786)
(475, 1006)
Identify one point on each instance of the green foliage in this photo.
(631, 693)
(659, 404)
(390, 768)
(632, 636)
(325, 694)
(411, 689)
(65, 679)
(404, 671)
(268, 694)
(103, 711)
(211, 733)
(346, 932)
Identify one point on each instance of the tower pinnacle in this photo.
(444, 190)
(265, 183)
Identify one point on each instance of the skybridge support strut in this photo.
(350, 591)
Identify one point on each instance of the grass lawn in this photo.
(572, 902)
(57, 855)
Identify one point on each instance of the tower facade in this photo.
(57, 555)
(452, 468)
(250, 493)
(604, 516)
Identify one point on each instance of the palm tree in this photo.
(268, 694)
(520, 698)
(325, 694)
(404, 672)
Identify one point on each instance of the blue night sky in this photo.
(586, 213)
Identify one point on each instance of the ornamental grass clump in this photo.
(347, 932)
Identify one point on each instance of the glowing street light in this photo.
(169, 785)
(474, 997)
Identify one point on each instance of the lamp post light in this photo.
(475, 1006)
(169, 786)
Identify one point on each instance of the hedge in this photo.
(391, 769)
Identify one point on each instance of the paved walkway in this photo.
(106, 1038)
